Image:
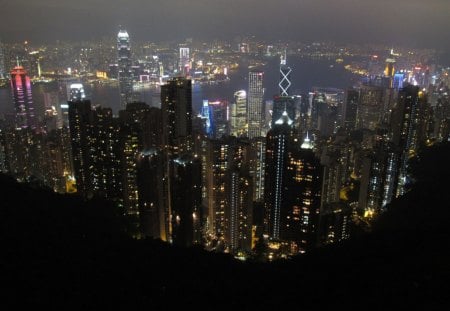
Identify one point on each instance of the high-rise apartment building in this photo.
(22, 97)
(176, 106)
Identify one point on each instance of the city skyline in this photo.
(364, 21)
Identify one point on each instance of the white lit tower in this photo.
(285, 76)
(185, 62)
(2, 63)
(255, 115)
(125, 71)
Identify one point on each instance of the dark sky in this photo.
(416, 23)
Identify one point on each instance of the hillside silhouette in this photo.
(60, 252)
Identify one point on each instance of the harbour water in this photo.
(306, 74)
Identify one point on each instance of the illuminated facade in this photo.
(22, 97)
(282, 104)
(239, 114)
(255, 115)
(76, 92)
(278, 141)
(285, 77)
(184, 61)
(125, 75)
(2, 63)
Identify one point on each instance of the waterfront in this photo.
(306, 74)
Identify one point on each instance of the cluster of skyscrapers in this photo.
(278, 178)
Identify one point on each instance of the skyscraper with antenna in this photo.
(125, 71)
(2, 62)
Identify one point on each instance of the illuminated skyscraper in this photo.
(255, 110)
(278, 140)
(184, 62)
(282, 104)
(2, 62)
(76, 92)
(285, 76)
(239, 114)
(125, 67)
(22, 97)
(176, 106)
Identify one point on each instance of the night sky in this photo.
(415, 23)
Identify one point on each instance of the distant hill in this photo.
(60, 252)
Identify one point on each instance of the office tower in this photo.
(278, 141)
(350, 108)
(184, 61)
(255, 110)
(282, 104)
(238, 118)
(186, 200)
(220, 118)
(80, 119)
(370, 107)
(285, 77)
(22, 97)
(292, 188)
(207, 119)
(154, 218)
(176, 106)
(302, 198)
(125, 71)
(76, 92)
(406, 126)
(389, 71)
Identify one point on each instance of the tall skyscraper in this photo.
(349, 109)
(176, 106)
(405, 125)
(255, 115)
(80, 119)
(2, 62)
(292, 188)
(278, 140)
(22, 97)
(239, 114)
(285, 76)
(125, 67)
(185, 61)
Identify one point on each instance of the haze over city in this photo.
(401, 22)
(225, 154)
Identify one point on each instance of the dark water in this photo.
(306, 74)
